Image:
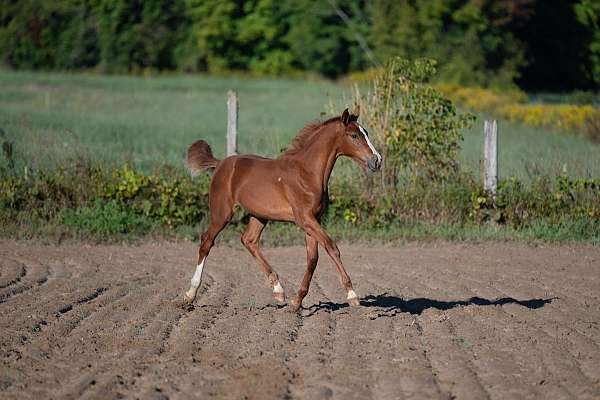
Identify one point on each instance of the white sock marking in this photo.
(197, 278)
(277, 288)
(351, 294)
(366, 135)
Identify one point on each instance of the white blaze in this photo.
(366, 135)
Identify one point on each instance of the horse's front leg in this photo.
(312, 256)
(311, 226)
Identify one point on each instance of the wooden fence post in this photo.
(490, 156)
(232, 122)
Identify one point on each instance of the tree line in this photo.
(537, 44)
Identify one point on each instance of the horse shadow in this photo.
(392, 305)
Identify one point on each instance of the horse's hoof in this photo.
(295, 306)
(187, 299)
(354, 302)
(280, 297)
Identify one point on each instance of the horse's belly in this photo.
(266, 207)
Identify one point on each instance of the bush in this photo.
(106, 219)
(418, 128)
(172, 198)
(125, 202)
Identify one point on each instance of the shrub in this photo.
(418, 128)
(105, 219)
(104, 205)
(172, 198)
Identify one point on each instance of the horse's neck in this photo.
(319, 156)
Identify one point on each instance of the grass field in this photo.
(54, 118)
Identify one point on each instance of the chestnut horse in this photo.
(290, 188)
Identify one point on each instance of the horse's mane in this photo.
(304, 136)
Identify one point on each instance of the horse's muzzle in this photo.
(374, 163)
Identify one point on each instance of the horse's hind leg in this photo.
(219, 217)
(251, 239)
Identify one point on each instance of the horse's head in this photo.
(355, 143)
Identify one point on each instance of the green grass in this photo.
(54, 118)
(102, 224)
(526, 152)
(148, 121)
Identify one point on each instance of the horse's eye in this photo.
(354, 136)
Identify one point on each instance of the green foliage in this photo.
(171, 198)
(128, 203)
(262, 36)
(545, 200)
(319, 41)
(241, 35)
(419, 129)
(44, 194)
(552, 44)
(139, 34)
(472, 39)
(106, 219)
(588, 14)
(116, 36)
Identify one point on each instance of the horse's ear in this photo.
(357, 111)
(346, 117)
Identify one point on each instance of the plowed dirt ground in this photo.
(437, 321)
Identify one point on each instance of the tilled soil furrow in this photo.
(114, 349)
(104, 308)
(407, 348)
(578, 318)
(33, 277)
(546, 367)
(558, 327)
(89, 309)
(245, 342)
(499, 358)
(68, 341)
(577, 284)
(449, 353)
(477, 336)
(453, 367)
(11, 273)
(312, 347)
(438, 320)
(468, 380)
(550, 320)
(540, 355)
(392, 350)
(188, 323)
(367, 370)
(567, 329)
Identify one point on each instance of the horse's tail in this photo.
(200, 158)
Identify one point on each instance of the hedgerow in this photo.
(125, 200)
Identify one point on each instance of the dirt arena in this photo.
(437, 321)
